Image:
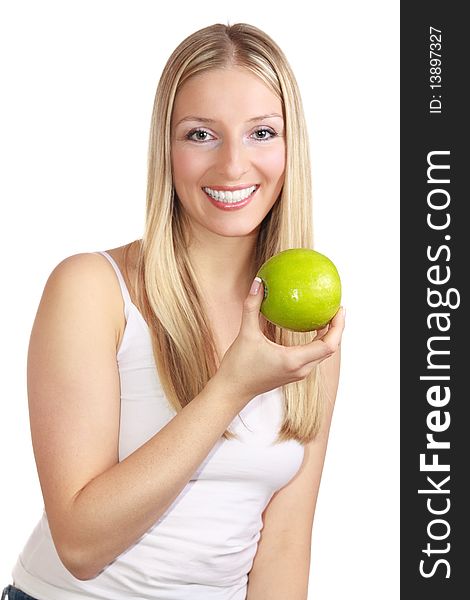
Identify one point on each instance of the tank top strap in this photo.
(125, 292)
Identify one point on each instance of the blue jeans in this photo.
(13, 593)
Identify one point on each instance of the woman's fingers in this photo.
(327, 344)
(321, 332)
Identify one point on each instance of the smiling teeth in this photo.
(230, 197)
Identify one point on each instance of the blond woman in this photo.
(179, 436)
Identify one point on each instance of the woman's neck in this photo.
(224, 265)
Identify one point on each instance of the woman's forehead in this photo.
(217, 92)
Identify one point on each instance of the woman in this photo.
(179, 437)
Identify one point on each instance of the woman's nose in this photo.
(232, 160)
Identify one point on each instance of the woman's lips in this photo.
(235, 205)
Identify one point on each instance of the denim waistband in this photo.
(13, 593)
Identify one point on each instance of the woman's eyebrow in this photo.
(206, 120)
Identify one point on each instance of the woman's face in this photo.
(228, 150)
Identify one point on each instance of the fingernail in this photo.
(255, 286)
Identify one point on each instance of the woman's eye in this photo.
(264, 134)
(201, 135)
(198, 135)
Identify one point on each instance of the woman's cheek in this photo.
(274, 163)
(189, 164)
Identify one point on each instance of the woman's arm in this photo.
(281, 565)
(98, 507)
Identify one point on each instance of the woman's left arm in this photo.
(282, 562)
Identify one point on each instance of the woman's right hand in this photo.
(253, 364)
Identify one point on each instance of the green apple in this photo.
(302, 289)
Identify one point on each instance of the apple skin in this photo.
(302, 289)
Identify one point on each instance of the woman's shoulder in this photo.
(85, 286)
(126, 257)
(81, 272)
(92, 268)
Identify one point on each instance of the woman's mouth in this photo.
(231, 199)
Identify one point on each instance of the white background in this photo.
(78, 82)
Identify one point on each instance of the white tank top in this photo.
(202, 547)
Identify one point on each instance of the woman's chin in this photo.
(237, 232)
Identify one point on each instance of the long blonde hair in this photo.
(168, 292)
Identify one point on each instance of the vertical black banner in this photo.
(434, 258)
